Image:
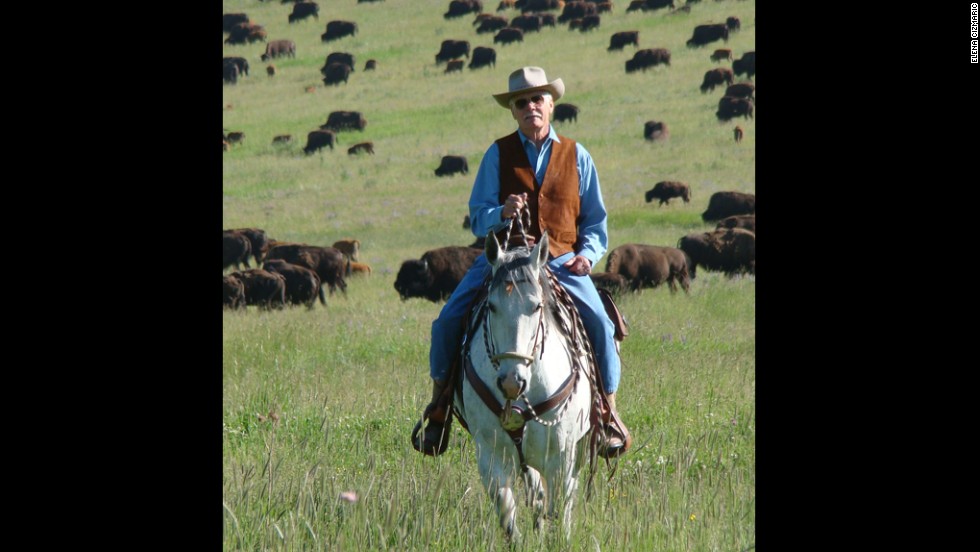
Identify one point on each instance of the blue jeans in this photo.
(447, 329)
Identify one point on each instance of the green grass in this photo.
(347, 381)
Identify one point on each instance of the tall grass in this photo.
(347, 382)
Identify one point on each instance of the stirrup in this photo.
(435, 438)
(611, 443)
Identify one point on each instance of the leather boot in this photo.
(435, 438)
(614, 438)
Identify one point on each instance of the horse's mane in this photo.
(515, 266)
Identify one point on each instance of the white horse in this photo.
(526, 391)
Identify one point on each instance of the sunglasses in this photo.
(522, 103)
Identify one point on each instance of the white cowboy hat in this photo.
(529, 79)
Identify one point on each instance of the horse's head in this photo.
(516, 303)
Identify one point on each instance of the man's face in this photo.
(532, 111)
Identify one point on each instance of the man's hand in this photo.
(579, 265)
(513, 205)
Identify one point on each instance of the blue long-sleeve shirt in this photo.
(485, 207)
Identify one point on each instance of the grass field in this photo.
(347, 381)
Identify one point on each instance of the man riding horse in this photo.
(555, 179)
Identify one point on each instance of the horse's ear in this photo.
(540, 251)
(491, 248)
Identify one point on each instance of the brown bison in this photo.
(454, 65)
(729, 108)
(344, 120)
(358, 268)
(577, 10)
(282, 139)
(240, 62)
(483, 56)
(335, 73)
(566, 112)
(279, 48)
(339, 29)
(232, 292)
(319, 139)
(258, 241)
(746, 222)
(725, 204)
(363, 147)
(646, 58)
(229, 20)
(490, 24)
(452, 164)
(508, 35)
(741, 90)
(328, 262)
(371, 65)
(731, 251)
(589, 22)
(538, 5)
(738, 134)
(706, 34)
(351, 248)
(733, 23)
(265, 289)
(668, 189)
(338, 57)
(302, 10)
(452, 49)
(459, 8)
(722, 54)
(655, 130)
(619, 40)
(745, 64)
(716, 77)
(302, 284)
(229, 72)
(648, 266)
(436, 275)
(236, 249)
(529, 23)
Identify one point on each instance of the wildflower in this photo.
(692, 518)
(348, 496)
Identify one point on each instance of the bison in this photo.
(338, 29)
(731, 251)
(319, 139)
(725, 204)
(566, 112)
(459, 8)
(452, 164)
(350, 247)
(302, 284)
(282, 139)
(491, 23)
(278, 48)
(258, 241)
(655, 130)
(746, 222)
(733, 23)
(452, 49)
(745, 64)
(706, 34)
(236, 249)
(508, 35)
(345, 120)
(263, 288)
(577, 10)
(648, 266)
(454, 65)
(722, 54)
(716, 77)
(668, 189)
(527, 23)
(232, 292)
(240, 62)
(588, 23)
(741, 90)
(729, 108)
(371, 65)
(738, 134)
(328, 262)
(358, 268)
(365, 147)
(538, 5)
(619, 40)
(338, 57)
(229, 20)
(436, 275)
(229, 72)
(335, 73)
(646, 58)
(483, 56)
(302, 10)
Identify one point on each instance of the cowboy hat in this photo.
(529, 79)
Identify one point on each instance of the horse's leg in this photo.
(561, 484)
(535, 495)
(497, 472)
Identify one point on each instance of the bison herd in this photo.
(295, 273)
(290, 273)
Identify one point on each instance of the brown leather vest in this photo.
(555, 204)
